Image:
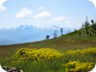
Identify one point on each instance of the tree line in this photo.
(55, 34)
(88, 29)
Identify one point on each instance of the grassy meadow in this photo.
(67, 53)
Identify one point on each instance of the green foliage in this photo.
(38, 54)
(88, 30)
(34, 66)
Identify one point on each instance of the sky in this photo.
(46, 13)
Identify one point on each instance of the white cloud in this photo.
(2, 8)
(58, 19)
(24, 13)
(42, 14)
(93, 1)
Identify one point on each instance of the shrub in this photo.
(38, 54)
(85, 55)
(91, 51)
(76, 66)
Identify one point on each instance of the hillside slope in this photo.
(62, 43)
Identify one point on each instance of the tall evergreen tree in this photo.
(61, 30)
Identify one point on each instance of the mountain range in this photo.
(24, 34)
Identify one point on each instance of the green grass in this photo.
(40, 66)
(63, 43)
(84, 56)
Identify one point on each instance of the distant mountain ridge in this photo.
(6, 42)
(25, 34)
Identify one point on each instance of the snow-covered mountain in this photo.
(24, 34)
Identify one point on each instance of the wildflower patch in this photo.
(38, 54)
(76, 66)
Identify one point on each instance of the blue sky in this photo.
(45, 13)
